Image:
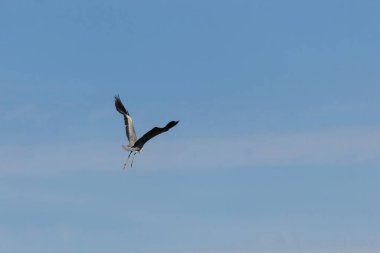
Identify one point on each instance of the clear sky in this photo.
(277, 149)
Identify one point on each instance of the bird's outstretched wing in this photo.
(129, 128)
(154, 132)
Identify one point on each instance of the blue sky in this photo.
(278, 146)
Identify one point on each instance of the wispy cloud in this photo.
(58, 157)
(339, 147)
(26, 113)
(271, 251)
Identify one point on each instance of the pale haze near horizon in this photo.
(277, 149)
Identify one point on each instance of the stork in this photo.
(136, 145)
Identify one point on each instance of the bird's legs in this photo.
(126, 162)
(133, 158)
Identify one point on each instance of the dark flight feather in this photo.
(154, 132)
(129, 128)
(119, 106)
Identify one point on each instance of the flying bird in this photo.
(136, 145)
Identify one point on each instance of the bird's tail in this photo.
(119, 106)
(127, 148)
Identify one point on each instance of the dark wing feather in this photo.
(119, 106)
(129, 128)
(154, 132)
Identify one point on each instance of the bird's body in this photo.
(136, 145)
(132, 149)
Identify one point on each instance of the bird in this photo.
(136, 145)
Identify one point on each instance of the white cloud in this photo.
(271, 251)
(57, 157)
(320, 148)
(25, 113)
(339, 147)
